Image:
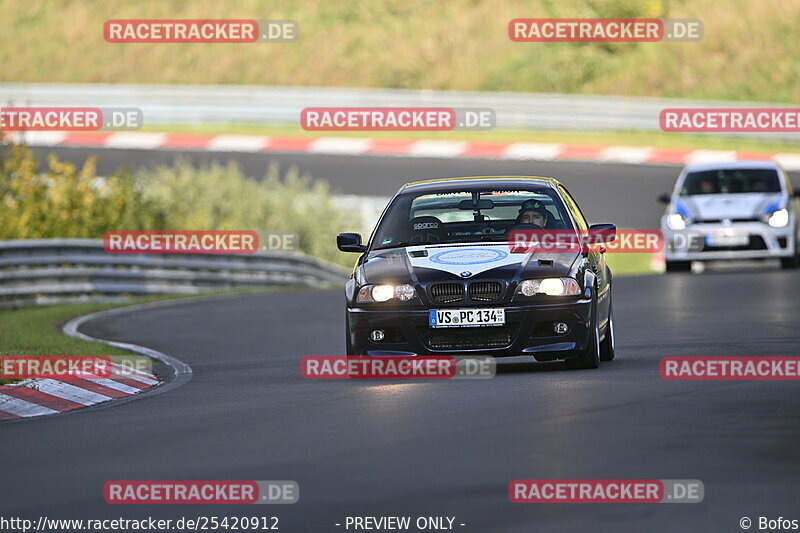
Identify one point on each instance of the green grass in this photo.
(654, 139)
(748, 51)
(629, 264)
(37, 330)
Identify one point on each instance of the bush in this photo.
(221, 197)
(64, 201)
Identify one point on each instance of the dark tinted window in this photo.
(731, 181)
(463, 216)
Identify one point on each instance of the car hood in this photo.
(729, 206)
(463, 261)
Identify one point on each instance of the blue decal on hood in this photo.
(469, 256)
(775, 205)
(681, 209)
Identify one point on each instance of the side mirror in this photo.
(600, 233)
(350, 242)
(665, 197)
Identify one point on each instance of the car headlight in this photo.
(779, 219)
(676, 221)
(549, 286)
(384, 293)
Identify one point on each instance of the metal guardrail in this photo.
(55, 270)
(218, 104)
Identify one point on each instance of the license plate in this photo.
(728, 238)
(459, 318)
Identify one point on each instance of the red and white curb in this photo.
(37, 397)
(636, 155)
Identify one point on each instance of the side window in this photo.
(788, 184)
(573, 208)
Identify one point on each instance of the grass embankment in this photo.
(37, 330)
(748, 51)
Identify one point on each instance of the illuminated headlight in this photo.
(779, 219)
(549, 286)
(676, 222)
(384, 293)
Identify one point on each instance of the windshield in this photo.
(468, 216)
(731, 181)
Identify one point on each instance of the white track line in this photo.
(123, 371)
(67, 391)
(788, 161)
(534, 151)
(18, 407)
(437, 148)
(142, 141)
(625, 154)
(339, 145)
(237, 143)
(111, 384)
(710, 156)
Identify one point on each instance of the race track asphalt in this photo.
(445, 448)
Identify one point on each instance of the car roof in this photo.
(731, 165)
(454, 184)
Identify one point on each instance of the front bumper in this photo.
(528, 331)
(706, 242)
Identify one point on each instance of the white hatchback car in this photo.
(731, 210)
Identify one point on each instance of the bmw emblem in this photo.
(466, 274)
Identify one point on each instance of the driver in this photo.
(533, 212)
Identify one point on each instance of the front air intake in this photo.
(447, 293)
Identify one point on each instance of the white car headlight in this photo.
(549, 286)
(676, 222)
(779, 219)
(384, 293)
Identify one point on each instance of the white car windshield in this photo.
(731, 181)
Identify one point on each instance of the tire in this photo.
(589, 358)
(789, 262)
(608, 344)
(348, 344)
(679, 266)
